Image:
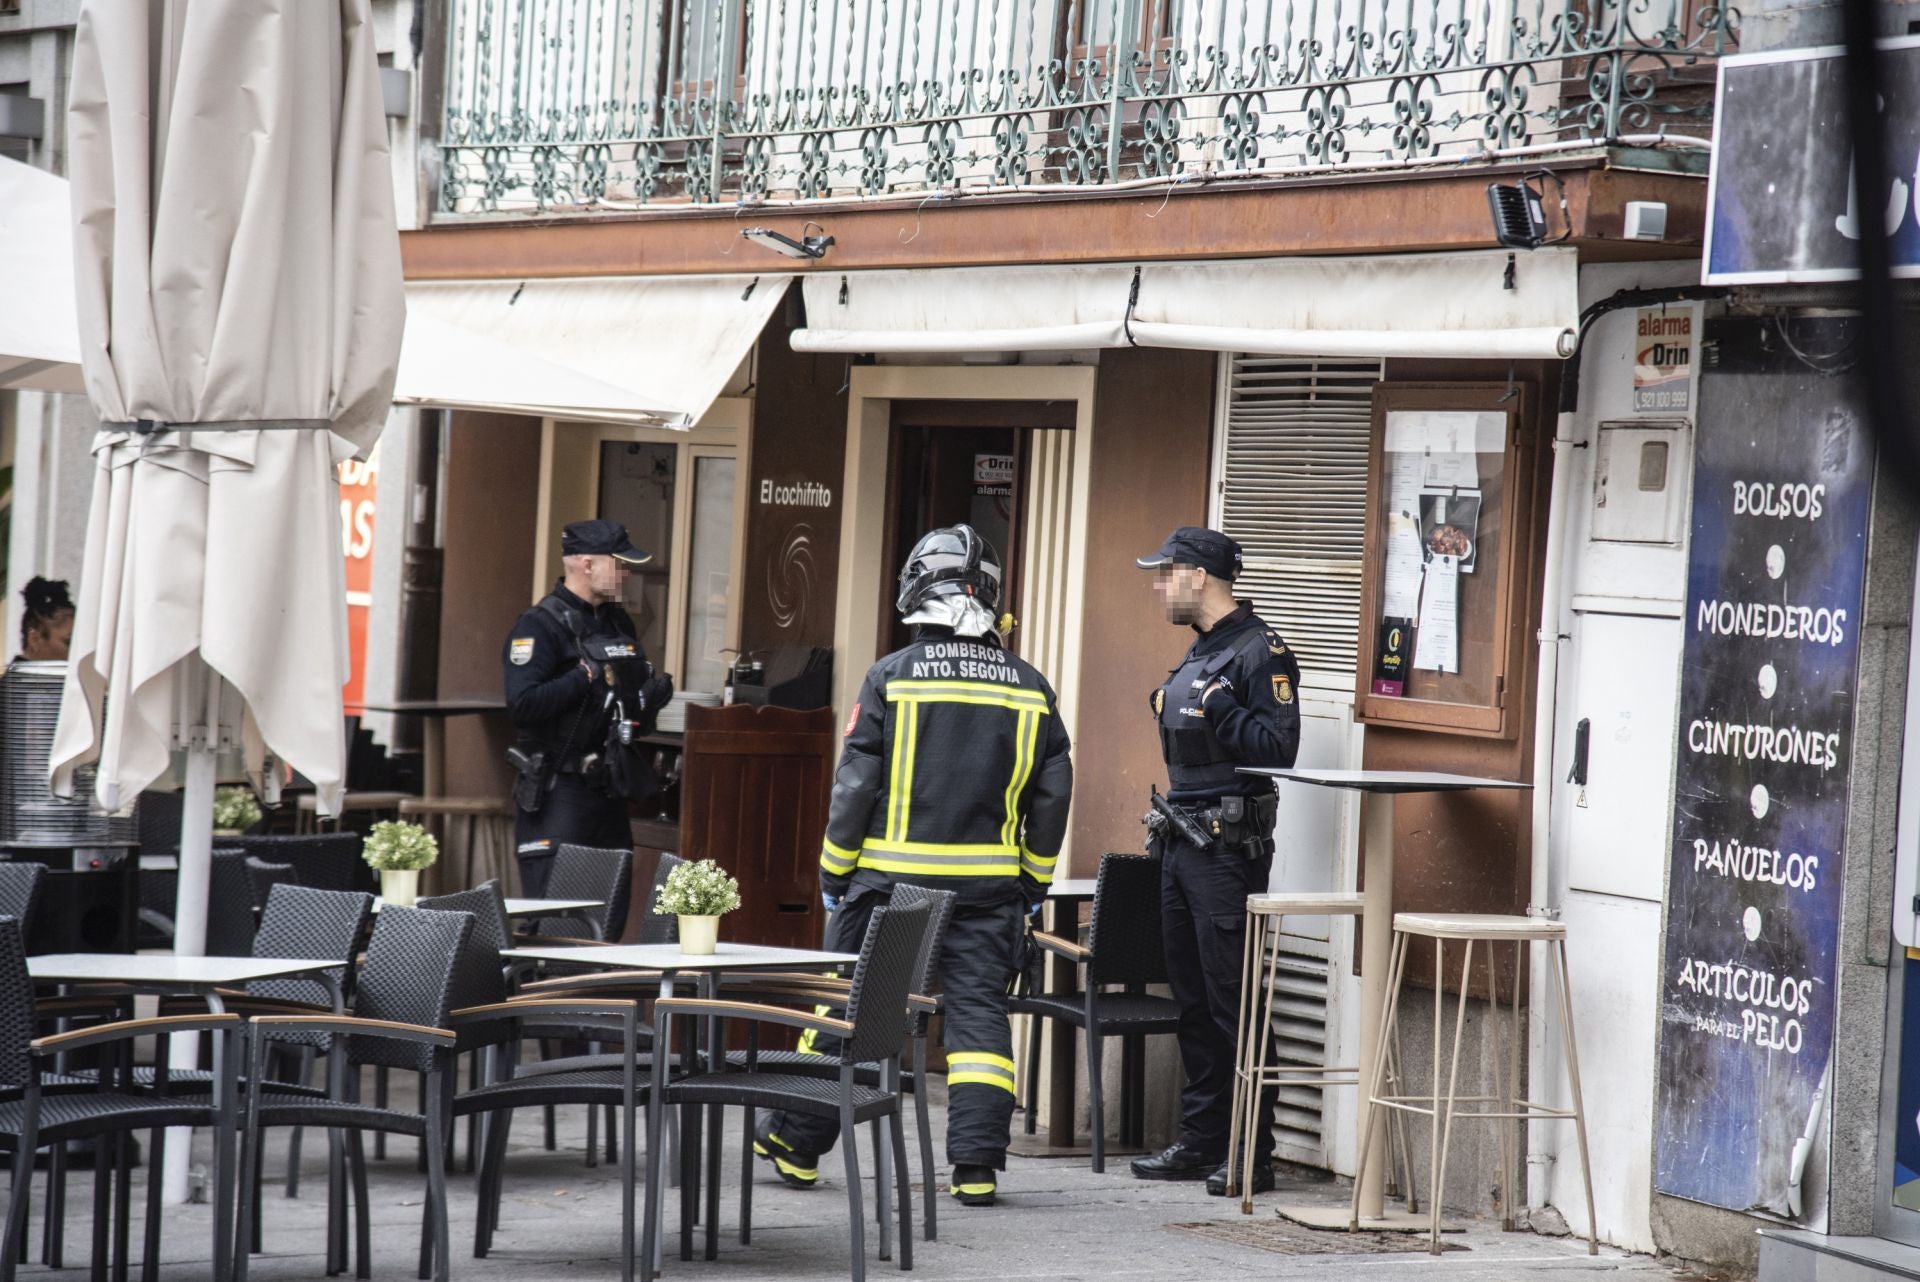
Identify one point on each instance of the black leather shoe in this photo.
(1176, 1162)
(1262, 1180)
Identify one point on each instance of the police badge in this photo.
(1282, 689)
(521, 651)
(1159, 701)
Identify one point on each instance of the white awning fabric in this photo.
(966, 309)
(648, 350)
(1405, 305)
(39, 331)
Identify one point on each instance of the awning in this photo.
(1407, 305)
(1412, 305)
(966, 309)
(39, 332)
(650, 350)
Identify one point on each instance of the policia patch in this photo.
(1159, 701)
(1282, 689)
(521, 651)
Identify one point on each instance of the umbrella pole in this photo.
(190, 940)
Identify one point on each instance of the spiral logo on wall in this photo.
(790, 578)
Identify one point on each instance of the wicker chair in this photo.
(20, 892)
(659, 928)
(1123, 948)
(877, 1007)
(588, 872)
(325, 861)
(262, 877)
(399, 1021)
(33, 1116)
(232, 912)
(480, 981)
(831, 993)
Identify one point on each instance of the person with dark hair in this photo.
(46, 628)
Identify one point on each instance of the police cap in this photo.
(601, 538)
(1211, 550)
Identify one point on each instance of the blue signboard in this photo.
(1780, 200)
(1775, 569)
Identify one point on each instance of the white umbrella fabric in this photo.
(240, 303)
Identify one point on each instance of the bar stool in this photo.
(1253, 1072)
(1492, 930)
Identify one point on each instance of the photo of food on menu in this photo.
(1449, 522)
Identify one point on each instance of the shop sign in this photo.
(1775, 570)
(359, 484)
(1663, 348)
(993, 475)
(1780, 199)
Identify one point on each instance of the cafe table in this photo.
(1377, 789)
(671, 965)
(520, 908)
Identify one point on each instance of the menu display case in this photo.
(1450, 506)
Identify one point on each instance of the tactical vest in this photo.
(1197, 761)
(623, 670)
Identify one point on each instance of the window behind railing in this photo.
(557, 103)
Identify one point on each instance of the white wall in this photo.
(1621, 673)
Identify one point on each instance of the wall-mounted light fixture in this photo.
(805, 247)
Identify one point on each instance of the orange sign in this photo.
(358, 483)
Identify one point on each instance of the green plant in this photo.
(398, 847)
(234, 809)
(698, 890)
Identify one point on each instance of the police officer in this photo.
(1233, 701)
(579, 691)
(955, 774)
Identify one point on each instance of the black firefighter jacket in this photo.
(956, 773)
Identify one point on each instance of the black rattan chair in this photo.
(876, 1010)
(38, 1109)
(831, 993)
(325, 861)
(20, 892)
(262, 877)
(400, 1015)
(1123, 948)
(659, 928)
(480, 981)
(589, 872)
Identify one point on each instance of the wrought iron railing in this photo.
(580, 103)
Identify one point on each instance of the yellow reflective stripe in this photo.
(893, 787)
(979, 700)
(979, 1057)
(806, 1045)
(927, 868)
(981, 1079)
(913, 746)
(1039, 867)
(837, 859)
(941, 691)
(1027, 734)
(971, 1190)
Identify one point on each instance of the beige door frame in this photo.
(863, 551)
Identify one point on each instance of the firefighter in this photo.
(955, 774)
(1233, 701)
(580, 691)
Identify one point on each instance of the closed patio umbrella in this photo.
(240, 308)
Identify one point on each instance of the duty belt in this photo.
(583, 763)
(1256, 818)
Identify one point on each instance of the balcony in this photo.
(560, 106)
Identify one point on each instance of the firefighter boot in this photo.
(973, 1185)
(798, 1169)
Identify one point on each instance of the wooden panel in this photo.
(491, 497)
(1153, 427)
(1472, 852)
(799, 439)
(1333, 214)
(754, 799)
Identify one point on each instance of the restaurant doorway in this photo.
(955, 462)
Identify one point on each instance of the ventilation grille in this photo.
(1299, 1000)
(1294, 494)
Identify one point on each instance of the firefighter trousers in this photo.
(977, 961)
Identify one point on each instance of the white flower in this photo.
(698, 890)
(398, 847)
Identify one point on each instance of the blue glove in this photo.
(829, 900)
(1033, 910)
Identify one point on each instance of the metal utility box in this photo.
(1640, 482)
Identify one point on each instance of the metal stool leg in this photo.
(1557, 951)
(1257, 1082)
(1396, 965)
(1244, 1057)
(1511, 1096)
(1444, 1124)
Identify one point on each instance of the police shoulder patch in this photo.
(1159, 701)
(853, 719)
(1282, 689)
(521, 650)
(1274, 644)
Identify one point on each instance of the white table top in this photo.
(1072, 888)
(536, 907)
(1383, 780)
(166, 970)
(668, 957)
(159, 863)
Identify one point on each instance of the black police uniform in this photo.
(955, 774)
(573, 789)
(1250, 716)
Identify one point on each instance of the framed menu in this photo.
(1449, 501)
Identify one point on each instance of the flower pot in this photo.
(229, 832)
(699, 935)
(400, 886)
